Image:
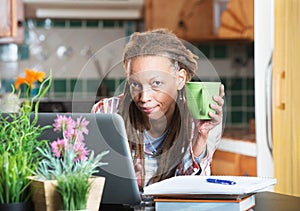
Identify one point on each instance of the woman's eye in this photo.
(135, 85)
(156, 83)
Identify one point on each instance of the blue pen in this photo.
(221, 181)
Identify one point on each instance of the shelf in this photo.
(84, 9)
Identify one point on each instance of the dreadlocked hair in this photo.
(174, 146)
(159, 42)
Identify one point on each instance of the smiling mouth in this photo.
(148, 110)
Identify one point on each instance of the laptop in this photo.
(106, 132)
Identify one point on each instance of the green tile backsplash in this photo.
(240, 100)
(59, 23)
(92, 85)
(236, 84)
(23, 52)
(92, 23)
(110, 84)
(236, 100)
(76, 85)
(220, 51)
(46, 23)
(75, 23)
(60, 85)
(205, 49)
(237, 117)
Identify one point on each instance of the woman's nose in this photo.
(145, 95)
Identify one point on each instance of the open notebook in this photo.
(198, 186)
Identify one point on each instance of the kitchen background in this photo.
(65, 47)
(63, 35)
(81, 42)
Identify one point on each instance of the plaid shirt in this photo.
(190, 165)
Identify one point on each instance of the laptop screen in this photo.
(106, 132)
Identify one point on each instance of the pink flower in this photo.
(81, 151)
(81, 125)
(63, 123)
(70, 134)
(73, 136)
(59, 146)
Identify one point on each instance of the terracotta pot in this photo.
(46, 198)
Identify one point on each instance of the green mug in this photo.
(199, 96)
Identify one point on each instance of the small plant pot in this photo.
(46, 198)
(21, 206)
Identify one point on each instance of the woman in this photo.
(164, 139)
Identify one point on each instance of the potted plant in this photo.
(18, 140)
(66, 171)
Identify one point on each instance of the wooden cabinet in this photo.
(227, 163)
(8, 24)
(193, 20)
(11, 21)
(286, 99)
(237, 21)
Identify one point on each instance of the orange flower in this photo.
(19, 81)
(34, 76)
(30, 78)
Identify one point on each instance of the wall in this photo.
(65, 46)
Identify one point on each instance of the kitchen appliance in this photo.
(263, 50)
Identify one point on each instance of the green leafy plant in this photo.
(19, 133)
(13, 177)
(74, 190)
(70, 163)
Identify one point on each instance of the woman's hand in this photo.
(204, 126)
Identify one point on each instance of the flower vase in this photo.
(45, 197)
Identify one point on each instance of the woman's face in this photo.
(154, 83)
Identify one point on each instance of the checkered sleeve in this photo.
(192, 165)
(107, 105)
(188, 166)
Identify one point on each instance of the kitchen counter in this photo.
(66, 105)
(239, 134)
(238, 140)
(236, 153)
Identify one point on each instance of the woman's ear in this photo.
(181, 78)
